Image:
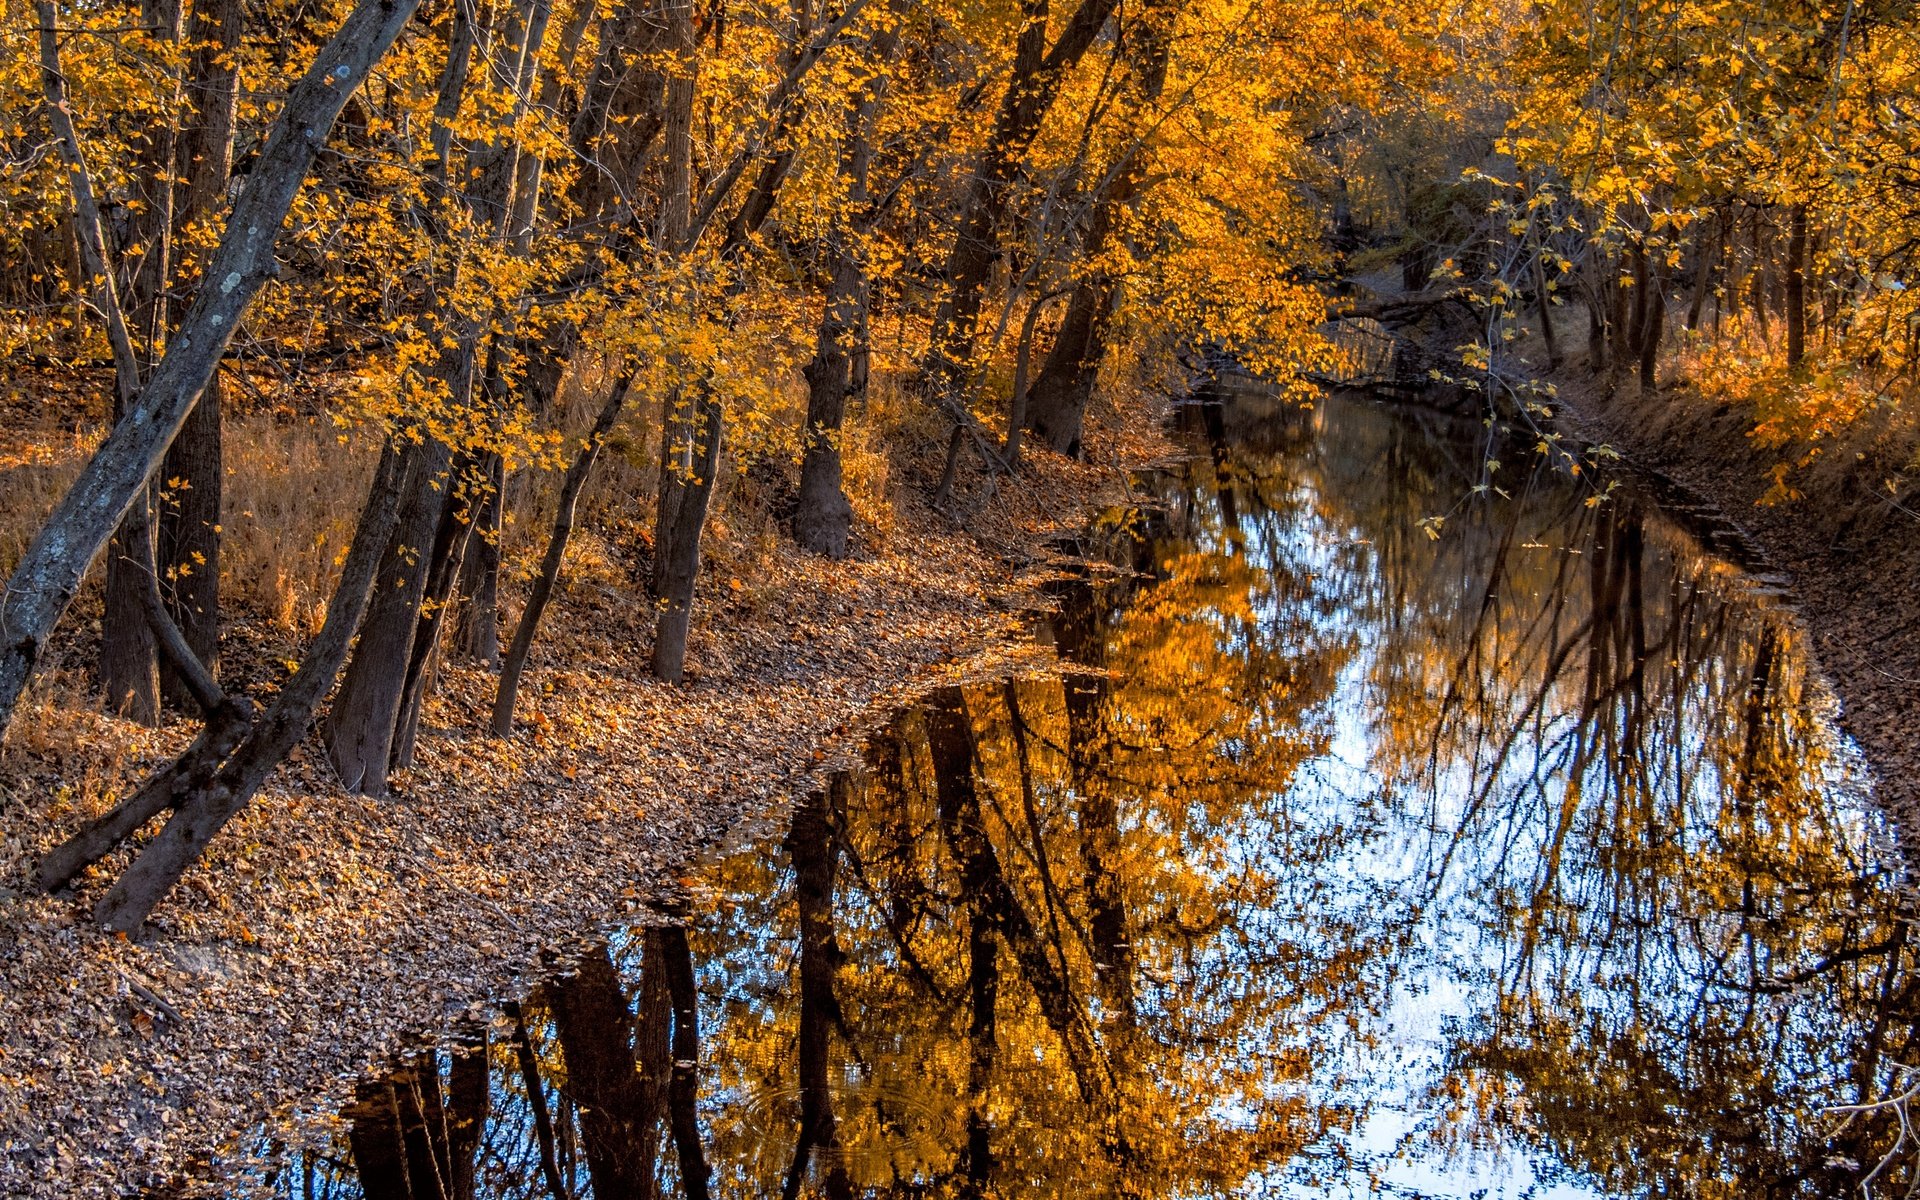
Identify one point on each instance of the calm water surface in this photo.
(1343, 860)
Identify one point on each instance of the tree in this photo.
(44, 582)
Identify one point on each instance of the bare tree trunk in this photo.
(823, 518)
(228, 720)
(1022, 373)
(370, 727)
(1641, 300)
(1619, 326)
(692, 425)
(361, 724)
(127, 666)
(1706, 265)
(1597, 329)
(1796, 285)
(45, 580)
(563, 519)
(129, 657)
(1543, 303)
(694, 461)
(1057, 404)
(129, 661)
(1652, 330)
(479, 630)
(193, 476)
(450, 543)
(956, 441)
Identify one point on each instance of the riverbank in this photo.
(320, 928)
(1847, 547)
(1850, 549)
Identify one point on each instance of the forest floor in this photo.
(1849, 547)
(325, 932)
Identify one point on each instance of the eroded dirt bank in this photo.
(325, 931)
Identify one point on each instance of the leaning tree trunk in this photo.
(1056, 403)
(451, 543)
(45, 580)
(515, 665)
(205, 809)
(976, 245)
(1056, 406)
(228, 719)
(1038, 73)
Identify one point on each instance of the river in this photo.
(1351, 852)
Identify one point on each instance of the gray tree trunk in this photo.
(205, 810)
(188, 550)
(549, 577)
(360, 725)
(49, 573)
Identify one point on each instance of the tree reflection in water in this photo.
(1553, 783)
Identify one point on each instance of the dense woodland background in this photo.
(349, 329)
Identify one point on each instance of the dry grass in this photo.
(35, 471)
(293, 494)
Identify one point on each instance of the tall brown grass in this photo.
(294, 485)
(292, 495)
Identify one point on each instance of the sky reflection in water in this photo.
(1517, 861)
